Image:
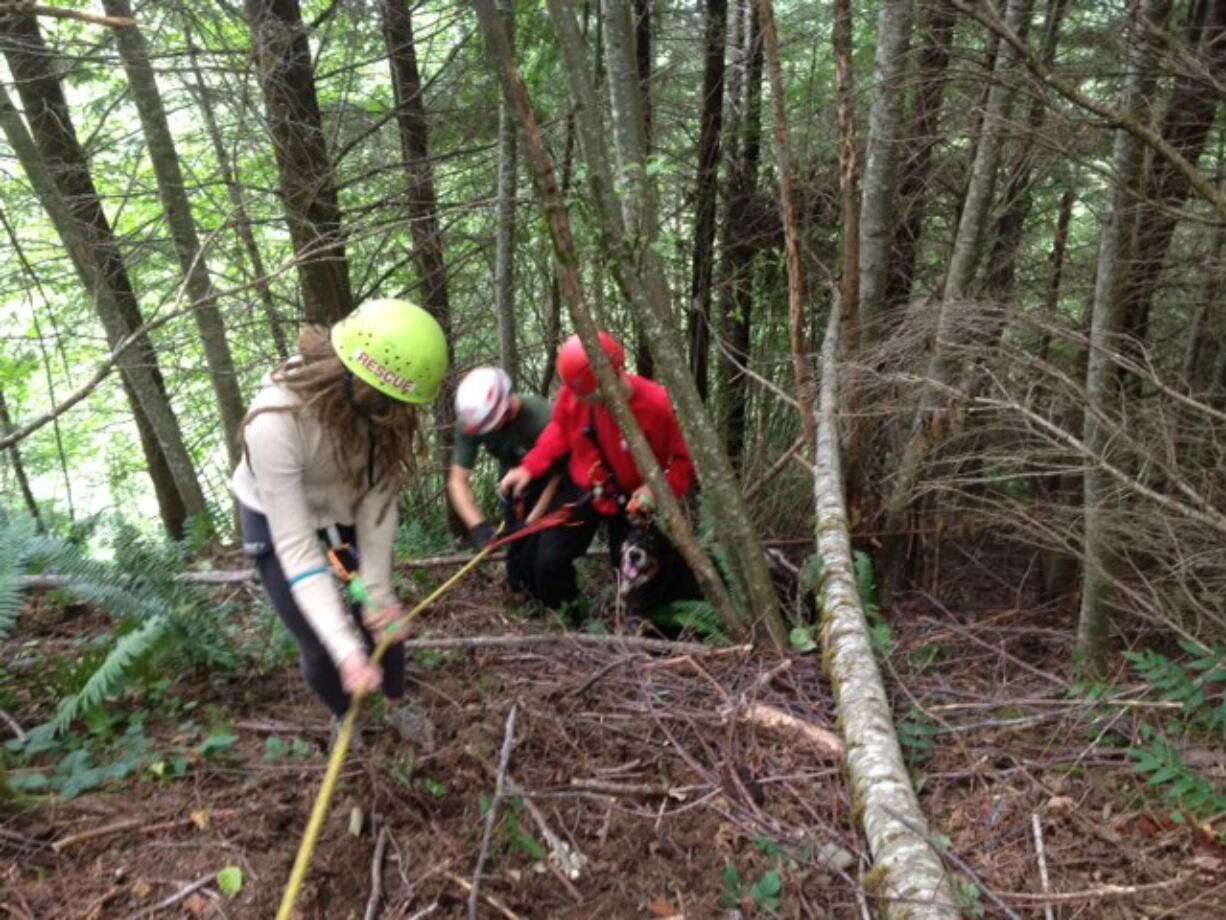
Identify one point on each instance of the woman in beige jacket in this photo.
(329, 442)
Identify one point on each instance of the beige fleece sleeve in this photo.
(377, 517)
(274, 447)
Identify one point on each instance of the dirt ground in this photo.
(640, 767)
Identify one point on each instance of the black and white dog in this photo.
(654, 574)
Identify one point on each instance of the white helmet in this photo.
(482, 399)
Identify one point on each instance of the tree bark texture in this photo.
(1190, 114)
(55, 163)
(308, 186)
(191, 256)
(849, 179)
(882, 150)
(504, 257)
(711, 108)
(797, 316)
(423, 201)
(739, 244)
(968, 239)
(913, 882)
(625, 32)
(545, 179)
(1106, 324)
(640, 276)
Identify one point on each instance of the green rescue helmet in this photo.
(396, 347)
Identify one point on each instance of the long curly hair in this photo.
(355, 416)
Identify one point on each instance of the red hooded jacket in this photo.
(567, 431)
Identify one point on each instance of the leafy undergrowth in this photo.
(1002, 735)
(637, 761)
(677, 807)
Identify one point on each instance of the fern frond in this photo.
(12, 568)
(109, 677)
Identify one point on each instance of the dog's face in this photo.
(641, 559)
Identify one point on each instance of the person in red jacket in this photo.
(604, 478)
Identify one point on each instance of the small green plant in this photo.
(968, 897)
(766, 892)
(915, 735)
(697, 617)
(230, 881)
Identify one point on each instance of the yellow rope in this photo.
(306, 849)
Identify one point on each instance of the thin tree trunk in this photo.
(710, 127)
(19, 469)
(173, 192)
(308, 186)
(1190, 114)
(797, 318)
(1107, 322)
(849, 181)
(913, 188)
(234, 190)
(626, 30)
(640, 277)
(942, 365)
(884, 145)
(739, 241)
(504, 259)
(553, 322)
(423, 202)
(543, 174)
(913, 883)
(55, 163)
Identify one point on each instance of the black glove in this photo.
(480, 535)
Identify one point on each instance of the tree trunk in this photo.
(504, 259)
(849, 180)
(914, 882)
(1008, 229)
(627, 53)
(234, 190)
(55, 163)
(1190, 114)
(553, 322)
(942, 365)
(740, 242)
(1107, 322)
(173, 192)
(913, 188)
(19, 469)
(544, 178)
(883, 147)
(797, 317)
(308, 189)
(640, 277)
(710, 126)
(422, 203)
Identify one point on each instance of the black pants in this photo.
(548, 558)
(321, 674)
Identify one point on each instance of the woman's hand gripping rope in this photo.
(310, 837)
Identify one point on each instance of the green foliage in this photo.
(915, 735)
(697, 617)
(766, 892)
(1198, 685)
(230, 881)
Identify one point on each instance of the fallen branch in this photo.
(771, 717)
(487, 898)
(137, 824)
(1106, 891)
(376, 876)
(175, 898)
(14, 725)
(1036, 825)
(491, 815)
(55, 12)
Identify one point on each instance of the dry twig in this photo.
(376, 876)
(491, 816)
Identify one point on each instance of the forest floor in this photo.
(646, 764)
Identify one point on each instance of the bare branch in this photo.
(55, 12)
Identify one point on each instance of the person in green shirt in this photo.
(491, 415)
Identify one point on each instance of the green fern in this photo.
(698, 617)
(156, 615)
(1163, 767)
